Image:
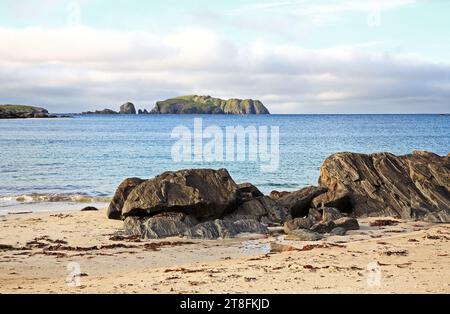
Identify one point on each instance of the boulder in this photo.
(203, 193)
(314, 215)
(221, 229)
(297, 223)
(323, 227)
(122, 192)
(247, 192)
(304, 235)
(275, 195)
(414, 186)
(90, 209)
(335, 199)
(338, 231)
(258, 208)
(299, 202)
(330, 214)
(347, 223)
(127, 108)
(160, 226)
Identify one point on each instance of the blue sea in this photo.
(88, 156)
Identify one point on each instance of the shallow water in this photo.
(91, 155)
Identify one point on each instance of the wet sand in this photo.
(39, 253)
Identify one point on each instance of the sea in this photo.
(62, 164)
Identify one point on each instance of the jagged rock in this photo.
(414, 186)
(299, 202)
(335, 199)
(127, 108)
(338, 231)
(275, 195)
(160, 226)
(297, 223)
(247, 192)
(314, 215)
(258, 208)
(304, 235)
(347, 223)
(208, 105)
(330, 214)
(216, 229)
(140, 111)
(323, 227)
(122, 192)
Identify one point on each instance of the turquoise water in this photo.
(91, 155)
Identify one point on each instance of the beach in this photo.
(37, 249)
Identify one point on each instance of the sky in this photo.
(299, 56)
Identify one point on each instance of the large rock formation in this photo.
(415, 186)
(23, 112)
(299, 202)
(202, 193)
(209, 105)
(127, 108)
(122, 192)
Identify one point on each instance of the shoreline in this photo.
(413, 257)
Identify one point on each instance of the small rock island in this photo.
(23, 112)
(194, 104)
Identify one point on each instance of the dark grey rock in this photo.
(297, 223)
(347, 223)
(304, 235)
(258, 208)
(323, 227)
(299, 202)
(122, 192)
(330, 214)
(338, 231)
(127, 108)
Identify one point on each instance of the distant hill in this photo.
(23, 112)
(194, 104)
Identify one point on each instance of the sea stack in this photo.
(127, 108)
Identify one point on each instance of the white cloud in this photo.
(85, 68)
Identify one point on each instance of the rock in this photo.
(258, 208)
(250, 226)
(23, 112)
(280, 248)
(330, 214)
(203, 193)
(140, 111)
(275, 195)
(338, 231)
(335, 199)
(304, 235)
(90, 209)
(124, 189)
(347, 223)
(414, 186)
(208, 105)
(298, 203)
(297, 223)
(127, 108)
(323, 227)
(160, 226)
(247, 192)
(314, 215)
(221, 229)
(104, 111)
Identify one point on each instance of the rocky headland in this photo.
(209, 204)
(194, 104)
(23, 112)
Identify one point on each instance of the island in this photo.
(23, 112)
(194, 104)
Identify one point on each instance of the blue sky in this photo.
(296, 56)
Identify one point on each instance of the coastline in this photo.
(413, 257)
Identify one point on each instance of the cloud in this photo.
(75, 69)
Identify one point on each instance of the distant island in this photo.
(194, 104)
(23, 112)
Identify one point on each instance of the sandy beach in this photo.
(37, 249)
